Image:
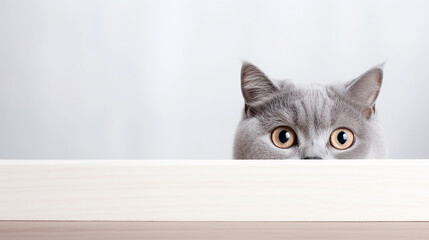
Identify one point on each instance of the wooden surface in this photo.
(341, 190)
(214, 230)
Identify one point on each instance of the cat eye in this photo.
(342, 138)
(283, 137)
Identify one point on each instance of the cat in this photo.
(282, 120)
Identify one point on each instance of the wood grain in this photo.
(214, 230)
(382, 190)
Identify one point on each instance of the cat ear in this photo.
(364, 90)
(255, 86)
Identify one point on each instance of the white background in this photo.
(160, 79)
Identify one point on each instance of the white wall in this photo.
(160, 79)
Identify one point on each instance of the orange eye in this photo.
(342, 138)
(283, 137)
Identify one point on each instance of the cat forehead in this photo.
(310, 93)
(308, 107)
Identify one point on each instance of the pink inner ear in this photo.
(255, 86)
(365, 89)
(370, 111)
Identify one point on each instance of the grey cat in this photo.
(282, 120)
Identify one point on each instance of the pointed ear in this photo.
(364, 90)
(255, 86)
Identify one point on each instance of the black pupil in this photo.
(342, 137)
(284, 136)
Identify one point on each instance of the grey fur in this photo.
(313, 112)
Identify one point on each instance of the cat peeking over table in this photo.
(282, 120)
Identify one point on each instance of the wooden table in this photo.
(116, 199)
(64, 230)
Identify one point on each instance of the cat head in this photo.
(282, 120)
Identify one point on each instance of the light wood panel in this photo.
(363, 190)
(215, 230)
